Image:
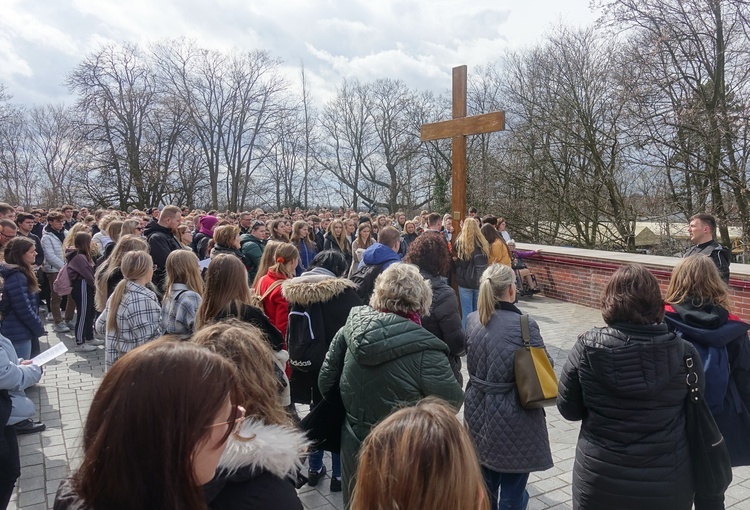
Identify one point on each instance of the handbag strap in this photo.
(270, 289)
(525, 330)
(691, 379)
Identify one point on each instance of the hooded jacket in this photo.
(20, 319)
(258, 474)
(627, 384)
(382, 361)
(252, 251)
(161, 242)
(378, 254)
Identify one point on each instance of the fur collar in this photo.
(274, 448)
(314, 288)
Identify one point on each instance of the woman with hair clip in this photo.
(168, 405)
(81, 272)
(410, 461)
(325, 298)
(20, 298)
(275, 305)
(260, 465)
(335, 239)
(131, 315)
(511, 441)
(182, 295)
(499, 251)
(627, 384)
(305, 245)
(472, 253)
(697, 307)
(108, 274)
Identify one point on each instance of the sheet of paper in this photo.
(50, 354)
(203, 264)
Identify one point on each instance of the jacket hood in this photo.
(8, 269)
(377, 337)
(314, 288)
(638, 362)
(153, 226)
(710, 325)
(379, 254)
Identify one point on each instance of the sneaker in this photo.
(85, 348)
(335, 484)
(60, 327)
(29, 426)
(50, 317)
(71, 325)
(313, 477)
(96, 341)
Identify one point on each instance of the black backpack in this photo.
(306, 338)
(365, 278)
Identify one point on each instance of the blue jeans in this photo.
(23, 349)
(315, 462)
(468, 299)
(513, 493)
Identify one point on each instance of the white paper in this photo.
(50, 354)
(203, 264)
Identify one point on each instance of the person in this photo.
(305, 244)
(246, 222)
(702, 232)
(169, 405)
(277, 231)
(325, 298)
(25, 223)
(627, 383)
(162, 242)
(511, 441)
(67, 211)
(108, 274)
(81, 272)
(410, 460)
(697, 308)
(434, 223)
(335, 239)
(472, 252)
(408, 236)
(227, 240)
(52, 243)
(376, 259)
(275, 304)
(502, 225)
(499, 250)
(523, 273)
(252, 246)
(182, 294)
(101, 237)
(259, 466)
(19, 303)
(185, 236)
(364, 240)
(206, 226)
(267, 260)
(131, 227)
(383, 358)
(131, 315)
(114, 231)
(431, 256)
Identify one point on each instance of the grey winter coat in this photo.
(508, 438)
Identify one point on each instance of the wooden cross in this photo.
(457, 130)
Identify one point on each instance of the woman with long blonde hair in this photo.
(108, 274)
(335, 239)
(410, 460)
(266, 260)
(472, 252)
(274, 303)
(182, 295)
(131, 315)
(131, 227)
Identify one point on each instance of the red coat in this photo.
(275, 305)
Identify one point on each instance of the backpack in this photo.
(365, 278)
(306, 338)
(62, 284)
(257, 301)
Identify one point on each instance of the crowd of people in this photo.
(216, 326)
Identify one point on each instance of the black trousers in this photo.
(83, 295)
(10, 464)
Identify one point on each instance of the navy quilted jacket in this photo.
(508, 438)
(19, 307)
(627, 384)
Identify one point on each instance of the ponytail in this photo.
(494, 283)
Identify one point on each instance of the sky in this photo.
(417, 41)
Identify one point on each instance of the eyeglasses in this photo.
(237, 416)
(8, 236)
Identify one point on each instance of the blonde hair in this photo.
(125, 245)
(341, 240)
(114, 229)
(470, 239)
(135, 265)
(106, 220)
(266, 260)
(70, 239)
(129, 226)
(409, 460)
(226, 285)
(494, 283)
(401, 289)
(285, 253)
(225, 235)
(247, 348)
(697, 280)
(182, 267)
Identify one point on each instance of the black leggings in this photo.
(83, 295)
(10, 464)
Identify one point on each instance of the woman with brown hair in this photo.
(335, 239)
(81, 272)
(170, 406)
(260, 464)
(266, 260)
(499, 251)
(277, 230)
(305, 244)
(410, 460)
(275, 304)
(20, 297)
(627, 383)
(364, 240)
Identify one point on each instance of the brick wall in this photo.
(579, 276)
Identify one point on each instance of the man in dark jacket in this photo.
(702, 231)
(162, 241)
(252, 246)
(376, 259)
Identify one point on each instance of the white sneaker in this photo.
(50, 317)
(96, 341)
(85, 348)
(60, 327)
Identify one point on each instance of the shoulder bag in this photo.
(535, 378)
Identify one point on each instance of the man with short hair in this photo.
(702, 232)
(52, 245)
(162, 241)
(376, 259)
(252, 245)
(246, 221)
(25, 223)
(8, 230)
(7, 211)
(69, 221)
(434, 223)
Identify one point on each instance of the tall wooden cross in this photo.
(457, 129)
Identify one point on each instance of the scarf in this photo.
(60, 235)
(412, 316)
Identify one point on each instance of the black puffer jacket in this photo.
(444, 321)
(627, 384)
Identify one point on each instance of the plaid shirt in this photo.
(137, 322)
(178, 317)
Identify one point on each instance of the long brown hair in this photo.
(182, 267)
(82, 244)
(14, 252)
(266, 260)
(127, 243)
(632, 295)
(273, 227)
(696, 279)
(409, 460)
(154, 407)
(297, 239)
(226, 285)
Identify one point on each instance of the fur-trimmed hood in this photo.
(314, 288)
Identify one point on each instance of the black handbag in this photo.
(323, 422)
(712, 468)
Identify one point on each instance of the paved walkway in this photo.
(68, 385)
